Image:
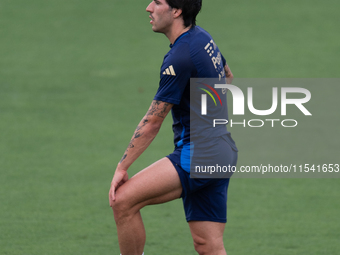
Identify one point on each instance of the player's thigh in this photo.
(158, 183)
(207, 232)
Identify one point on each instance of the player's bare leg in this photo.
(155, 184)
(208, 237)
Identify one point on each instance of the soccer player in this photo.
(193, 53)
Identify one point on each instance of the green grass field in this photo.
(77, 76)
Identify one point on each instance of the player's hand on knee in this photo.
(119, 178)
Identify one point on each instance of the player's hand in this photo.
(119, 178)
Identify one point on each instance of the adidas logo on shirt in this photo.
(170, 71)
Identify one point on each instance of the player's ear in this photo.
(176, 12)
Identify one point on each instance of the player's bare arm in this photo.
(228, 74)
(144, 134)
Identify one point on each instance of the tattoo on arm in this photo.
(157, 108)
(227, 71)
(145, 121)
(123, 158)
(228, 74)
(135, 135)
(131, 143)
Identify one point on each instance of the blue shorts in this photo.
(204, 199)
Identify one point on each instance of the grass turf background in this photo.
(77, 76)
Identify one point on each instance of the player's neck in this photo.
(176, 31)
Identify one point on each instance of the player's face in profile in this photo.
(160, 15)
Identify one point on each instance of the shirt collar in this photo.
(180, 37)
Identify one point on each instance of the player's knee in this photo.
(201, 245)
(205, 247)
(121, 208)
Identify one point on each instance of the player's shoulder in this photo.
(198, 37)
(179, 53)
(196, 43)
(177, 61)
(200, 32)
(188, 49)
(188, 43)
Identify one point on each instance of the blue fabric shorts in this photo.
(204, 199)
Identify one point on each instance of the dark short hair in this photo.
(190, 9)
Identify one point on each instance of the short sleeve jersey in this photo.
(194, 54)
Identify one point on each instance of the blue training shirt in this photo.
(194, 54)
